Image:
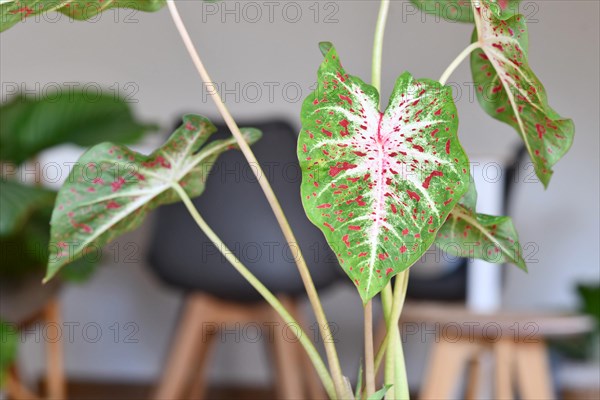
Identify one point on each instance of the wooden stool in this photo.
(202, 318)
(516, 341)
(55, 376)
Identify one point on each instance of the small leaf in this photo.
(509, 91)
(461, 10)
(379, 185)
(111, 189)
(487, 237)
(15, 11)
(325, 47)
(378, 395)
(18, 202)
(8, 349)
(359, 381)
(30, 125)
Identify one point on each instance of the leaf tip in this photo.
(251, 135)
(325, 47)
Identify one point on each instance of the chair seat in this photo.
(235, 207)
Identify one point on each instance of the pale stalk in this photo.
(264, 292)
(311, 291)
(369, 363)
(389, 372)
(395, 351)
(378, 44)
(456, 62)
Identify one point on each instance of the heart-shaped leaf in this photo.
(468, 234)
(509, 91)
(18, 202)
(461, 10)
(14, 11)
(379, 185)
(30, 125)
(111, 188)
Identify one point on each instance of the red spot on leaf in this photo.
(328, 225)
(346, 241)
(113, 205)
(413, 195)
(339, 167)
(118, 184)
(428, 179)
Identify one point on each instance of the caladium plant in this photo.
(382, 185)
(111, 188)
(379, 184)
(509, 91)
(462, 11)
(15, 11)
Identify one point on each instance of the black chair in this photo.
(234, 206)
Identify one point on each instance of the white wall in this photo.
(562, 221)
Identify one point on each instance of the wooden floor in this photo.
(122, 391)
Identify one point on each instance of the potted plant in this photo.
(30, 125)
(383, 183)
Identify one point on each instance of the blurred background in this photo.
(118, 325)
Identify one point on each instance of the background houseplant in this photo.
(31, 124)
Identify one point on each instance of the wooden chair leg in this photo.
(287, 360)
(314, 387)
(55, 373)
(533, 371)
(199, 386)
(504, 367)
(15, 389)
(474, 377)
(446, 366)
(185, 348)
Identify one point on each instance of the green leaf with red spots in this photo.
(471, 235)
(379, 185)
(111, 189)
(461, 10)
(509, 91)
(15, 11)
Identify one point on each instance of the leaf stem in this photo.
(378, 44)
(395, 353)
(389, 374)
(311, 291)
(456, 62)
(369, 362)
(268, 296)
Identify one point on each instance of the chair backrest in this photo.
(236, 209)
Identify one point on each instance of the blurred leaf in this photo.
(378, 395)
(25, 250)
(29, 125)
(590, 300)
(127, 185)
(18, 202)
(8, 349)
(359, 381)
(461, 10)
(15, 11)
